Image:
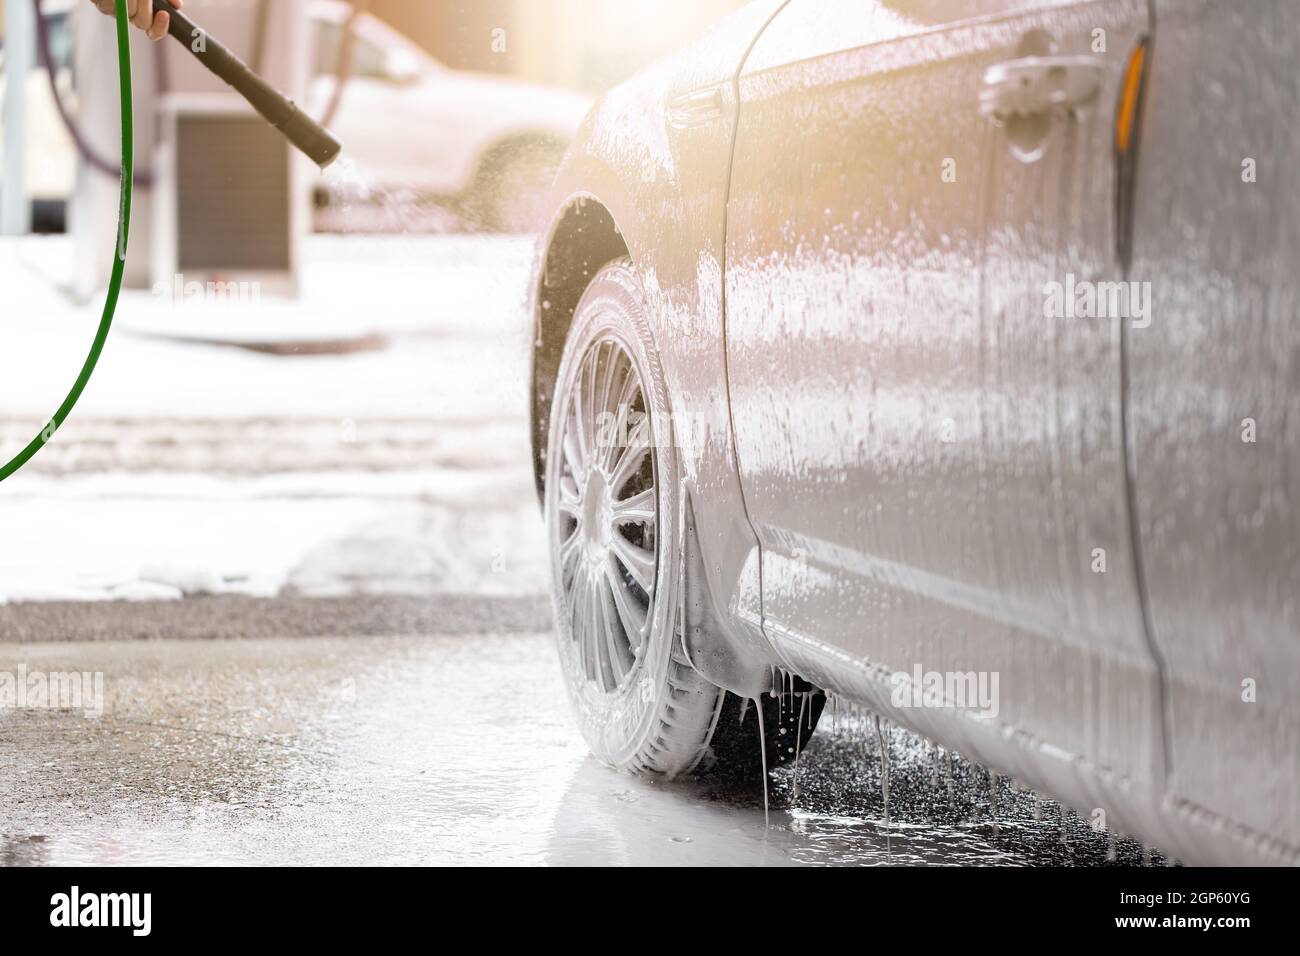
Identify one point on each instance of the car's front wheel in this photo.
(613, 503)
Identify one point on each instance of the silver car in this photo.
(943, 356)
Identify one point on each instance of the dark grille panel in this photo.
(233, 203)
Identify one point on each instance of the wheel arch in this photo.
(583, 237)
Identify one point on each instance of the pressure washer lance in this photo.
(280, 111)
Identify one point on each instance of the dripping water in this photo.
(762, 752)
(884, 766)
(798, 738)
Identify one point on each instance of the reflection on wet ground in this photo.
(446, 750)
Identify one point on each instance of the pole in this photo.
(20, 48)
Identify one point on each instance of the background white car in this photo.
(412, 124)
(413, 127)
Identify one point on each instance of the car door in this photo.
(932, 459)
(1214, 407)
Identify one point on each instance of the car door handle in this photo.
(694, 108)
(1037, 84)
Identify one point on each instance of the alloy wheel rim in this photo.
(607, 515)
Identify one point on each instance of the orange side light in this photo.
(1126, 116)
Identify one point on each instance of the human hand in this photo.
(141, 14)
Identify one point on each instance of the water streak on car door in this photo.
(933, 467)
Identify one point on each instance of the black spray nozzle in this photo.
(280, 111)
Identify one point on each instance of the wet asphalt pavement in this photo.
(452, 748)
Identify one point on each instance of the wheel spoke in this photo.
(598, 614)
(616, 649)
(604, 429)
(639, 509)
(572, 448)
(615, 404)
(570, 502)
(581, 439)
(638, 446)
(628, 391)
(569, 552)
(639, 562)
(608, 374)
(630, 613)
(576, 619)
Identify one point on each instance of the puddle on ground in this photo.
(448, 750)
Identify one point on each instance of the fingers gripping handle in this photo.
(280, 111)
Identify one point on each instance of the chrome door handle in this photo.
(1038, 84)
(699, 106)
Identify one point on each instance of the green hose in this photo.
(119, 258)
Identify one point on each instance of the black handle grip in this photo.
(280, 111)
